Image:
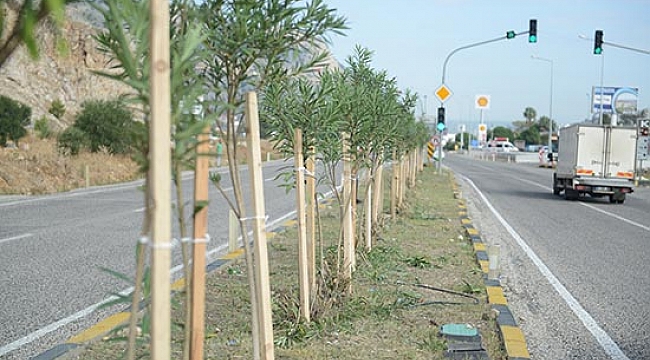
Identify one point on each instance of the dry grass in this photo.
(36, 167)
(381, 319)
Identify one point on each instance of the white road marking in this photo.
(16, 238)
(605, 341)
(618, 217)
(89, 310)
(56, 325)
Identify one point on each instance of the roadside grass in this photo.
(385, 317)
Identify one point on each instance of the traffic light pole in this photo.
(646, 52)
(444, 77)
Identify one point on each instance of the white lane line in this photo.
(89, 310)
(618, 217)
(16, 238)
(56, 325)
(605, 341)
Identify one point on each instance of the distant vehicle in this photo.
(501, 145)
(547, 159)
(595, 160)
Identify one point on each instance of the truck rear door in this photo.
(590, 154)
(622, 153)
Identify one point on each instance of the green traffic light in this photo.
(510, 34)
(440, 126)
(598, 51)
(532, 39)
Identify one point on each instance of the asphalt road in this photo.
(52, 249)
(575, 272)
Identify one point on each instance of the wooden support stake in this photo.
(262, 286)
(311, 216)
(160, 174)
(401, 182)
(234, 231)
(414, 161)
(303, 264)
(348, 241)
(378, 194)
(200, 243)
(394, 186)
(367, 210)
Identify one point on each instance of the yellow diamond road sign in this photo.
(443, 93)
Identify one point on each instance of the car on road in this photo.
(501, 146)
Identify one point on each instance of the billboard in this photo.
(615, 100)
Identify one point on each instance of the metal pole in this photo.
(602, 100)
(646, 52)
(439, 152)
(550, 110)
(462, 138)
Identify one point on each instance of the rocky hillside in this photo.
(60, 76)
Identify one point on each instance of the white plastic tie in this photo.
(203, 240)
(304, 170)
(146, 241)
(265, 218)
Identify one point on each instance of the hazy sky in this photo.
(412, 38)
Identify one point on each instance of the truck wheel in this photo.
(617, 198)
(556, 188)
(570, 194)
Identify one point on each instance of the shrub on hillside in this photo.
(106, 124)
(71, 141)
(14, 117)
(57, 108)
(42, 128)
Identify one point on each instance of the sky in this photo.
(411, 39)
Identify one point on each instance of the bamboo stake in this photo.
(160, 173)
(311, 216)
(303, 264)
(380, 204)
(377, 181)
(262, 286)
(348, 241)
(394, 186)
(367, 209)
(198, 251)
(401, 184)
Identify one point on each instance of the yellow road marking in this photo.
(515, 342)
(495, 295)
(485, 265)
(100, 328)
(233, 255)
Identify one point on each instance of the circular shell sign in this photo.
(482, 101)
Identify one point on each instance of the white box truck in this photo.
(595, 160)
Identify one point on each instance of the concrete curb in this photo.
(512, 337)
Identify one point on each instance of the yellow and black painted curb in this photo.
(114, 321)
(513, 338)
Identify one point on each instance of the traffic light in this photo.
(598, 42)
(441, 119)
(510, 34)
(532, 31)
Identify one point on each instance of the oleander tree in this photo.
(253, 43)
(126, 42)
(358, 101)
